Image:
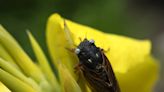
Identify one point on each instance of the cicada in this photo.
(96, 67)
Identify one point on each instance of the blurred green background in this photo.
(142, 19)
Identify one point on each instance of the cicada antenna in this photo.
(85, 35)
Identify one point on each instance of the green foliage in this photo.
(114, 16)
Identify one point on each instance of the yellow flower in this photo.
(131, 59)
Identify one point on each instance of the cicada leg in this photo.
(70, 49)
(105, 51)
(78, 70)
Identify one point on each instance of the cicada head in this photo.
(88, 54)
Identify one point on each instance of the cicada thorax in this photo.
(96, 67)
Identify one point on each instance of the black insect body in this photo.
(96, 67)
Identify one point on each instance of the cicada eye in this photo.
(91, 41)
(77, 50)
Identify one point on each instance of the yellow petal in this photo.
(142, 77)
(43, 62)
(13, 71)
(5, 55)
(20, 57)
(3, 88)
(124, 52)
(15, 84)
(129, 57)
(58, 42)
(68, 83)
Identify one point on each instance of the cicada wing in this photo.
(96, 84)
(111, 76)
